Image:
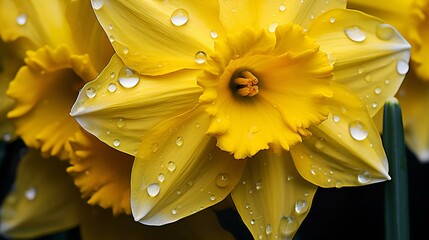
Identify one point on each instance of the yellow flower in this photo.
(410, 17)
(266, 100)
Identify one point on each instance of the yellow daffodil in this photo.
(410, 17)
(266, 100)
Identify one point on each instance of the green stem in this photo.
(396, 216)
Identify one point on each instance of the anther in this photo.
(246, 84)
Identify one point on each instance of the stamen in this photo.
(246, 84)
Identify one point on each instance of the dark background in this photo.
(344, 213)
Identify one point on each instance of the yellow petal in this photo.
(44, 91)
(179, 171)
(371, 57)
(119, 115)
(44, 200)
(100, 224)
(272, 198)
(414, 99)
(157, 37)
(238, 15)
(40, 22)
(344, 150)
(102, 173)
(419, 36)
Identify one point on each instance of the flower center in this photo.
(245, 84)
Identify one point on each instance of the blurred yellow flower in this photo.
(266, 100)
(410, 17)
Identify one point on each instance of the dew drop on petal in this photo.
(21, 19)
(127, 78)
(97, 4)
(336, 118)
(338, 184)
(171, 166)
(268, 229)
(200, 57)
(301, 206)
(153, 189)
(258, 185)
(214, 34)
(179, 17)
(212, 198)
(116, 142)
(384, 31)
(120, 123)
(174, 211)
(287, 227)
(30, 193)
(364, 177)
(222, 180)
(355, 34)
(161, 177)
(111, 87)
(90, 92)
(125, 50)
(282, 8)
(7, 137)
(358, 130)
(374, 105)
(377, 91)
(332, 20)
(273, 26)
(179, 141)
(402, 67)
(252, 221)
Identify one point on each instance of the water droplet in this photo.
(336, 118)
(200, 57)
(97, 4)
(30, 193)
(21, 19)
(301, 206)
(364, 177)
(125, 50)
(387, 82)
(171, 166)
(214, 34)
(358, 130)
(110, 26)
(127, 78)
(402, 67)
(111, 38)
(273, 26)
(155, 147)
(179, 17)
(179, 141)
(287, 227)
(212, 198)
(282, 8)
(332, 20)
(222, 180)
(258, 185)
(384, 31)
(377, 90)
(7, 137)
(355, 34)
(111, 87)
(253, 221)
(268, 229)
(153, 189)
(338, 184)
(120, 123)
(116, 142)
(174, 211)
(367, 78)
(374, 105)
(161, 177)
(90, 92)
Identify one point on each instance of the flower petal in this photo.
(44, 91)
(272, 199)
(102, 173)
(344, 150)
(43, 201)
(147, 36)
(179, 171)
(99, 224)
(414, 99)
(119, 115)
(371, 57)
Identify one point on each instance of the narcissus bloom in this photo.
(263, 100)
(410, 17)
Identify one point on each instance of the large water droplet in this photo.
(111, 87)
(116, 142)
(384, 31)
(21, 19)
(153, 189)
(364, 177)
(179, 17)
(358, 130)
(336, 118)
(402, 67)
(287, 227)
(90, 92)
(268, 229)
(222, 180)
(171, 166)
(97, 4)
(273, 26)
(179, 141)
(127, 78)
(301, 206)
(30, 193)
(355, 34)
(200, 57)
